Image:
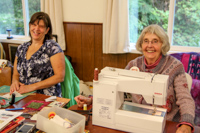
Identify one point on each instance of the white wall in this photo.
(84, 10)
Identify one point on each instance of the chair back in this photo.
(189, 81)
(2, 52)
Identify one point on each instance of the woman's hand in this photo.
(15, 86)
(184, 129)
(25, 89)
(82, 100)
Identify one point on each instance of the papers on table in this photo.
(52, 98)
(8, 96)
(7, 116)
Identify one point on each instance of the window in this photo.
(179, 18)
(15, 15)
(186, 31)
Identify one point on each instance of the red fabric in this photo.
(185, 60)
(36, 101)
(152, 65)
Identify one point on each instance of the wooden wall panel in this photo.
(130, 56)
(73, 35)
(110, 60)
(122, 61)
(84, 45)
(88, 51)
(98, 54)
(114, 60)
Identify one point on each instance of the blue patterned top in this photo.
(38, 67)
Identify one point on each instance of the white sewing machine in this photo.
(110, 110)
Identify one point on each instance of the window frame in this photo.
(25, 16)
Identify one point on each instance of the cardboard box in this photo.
(44, 124)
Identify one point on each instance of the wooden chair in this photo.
(2, 52)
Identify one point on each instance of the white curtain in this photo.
(54, 9)
(116, 38)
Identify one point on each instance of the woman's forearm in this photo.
(55, 79)
(15, 78)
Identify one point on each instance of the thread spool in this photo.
(9, 34)
(84, 106)
(96, 73)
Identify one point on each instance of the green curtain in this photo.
(70, 85)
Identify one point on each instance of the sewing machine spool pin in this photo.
(9, 34)
(96, 73)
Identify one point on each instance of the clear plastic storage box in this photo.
(44, 124)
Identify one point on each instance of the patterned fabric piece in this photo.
(185, 60)
(36, 105)
(193, 64)
(38, 67)
(195, 91)
(177, 55)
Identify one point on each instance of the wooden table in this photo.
(170, 126)
(34, 96)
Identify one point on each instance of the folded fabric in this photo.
(60, 121)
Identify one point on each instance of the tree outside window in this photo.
(185, 25)
(12, 17)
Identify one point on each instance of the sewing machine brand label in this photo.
(156, 93)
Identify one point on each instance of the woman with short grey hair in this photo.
(157, 30)
(154, 44)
